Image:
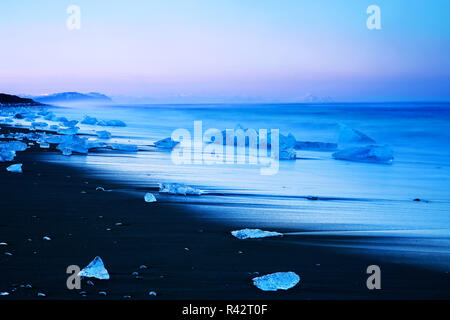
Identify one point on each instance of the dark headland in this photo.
(12, 100)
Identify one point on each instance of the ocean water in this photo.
(365, 208)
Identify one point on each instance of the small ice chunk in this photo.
(315, 146)
(47, 238)
(166, 143)
(16, 168)
(4, 293)
(375, 154)
(89, 120)
(103, 134)
(3, 244)
(40, 294)
(179, 189)
(102, 189)
(149, 197)
(95, 269)
(44, 145)
(276, 281)
(152, 293)
(349, 135)
(124, 147)
(70, 123)
(112, 123)
(254, 233)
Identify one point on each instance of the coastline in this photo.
(46, 200)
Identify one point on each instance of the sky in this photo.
(228, 50)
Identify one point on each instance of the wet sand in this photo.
(187, 258)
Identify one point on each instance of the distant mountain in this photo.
(8, 99)
(73, 97)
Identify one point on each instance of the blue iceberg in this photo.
(149, 197)
(178, 189)
(166, 143)
(375, 154)
(89, 120)
(95, 269)
(16, 168)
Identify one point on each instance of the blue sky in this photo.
(256, 50)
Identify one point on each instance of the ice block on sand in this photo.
(179, 189)
(166, 143)
(149, 197)
(95, 269)
(277, 281)
(254, 233)
(16, 168)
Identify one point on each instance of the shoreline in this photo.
(187, 257)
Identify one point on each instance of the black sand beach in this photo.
(186, 258)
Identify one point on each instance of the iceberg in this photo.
(69, 123)
(349, 135)
(288, 154)
(285, 142)
(277, 281)
(39, 124)
(123, 147)
(179, 189)
(16, 168)
(103, 134)
(166, 143)
(112, 123)
(95, 269)
(89, 120)
(149, 197)
(375, 154)
(315, 146)
(8, 149)
(71, 143)
(254, 233)
(68, 131)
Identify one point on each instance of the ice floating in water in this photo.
(103, 134)
(349, 135)
(112, 123)
(69, 123)
(95, 269)
(276, 281)
(315, 146)
(149, 197)
(89, 120)
(287, 154)
(16, 168)
(376, 154)
(179, 189)
(4, 293)
(166, 143)
(254, 233)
